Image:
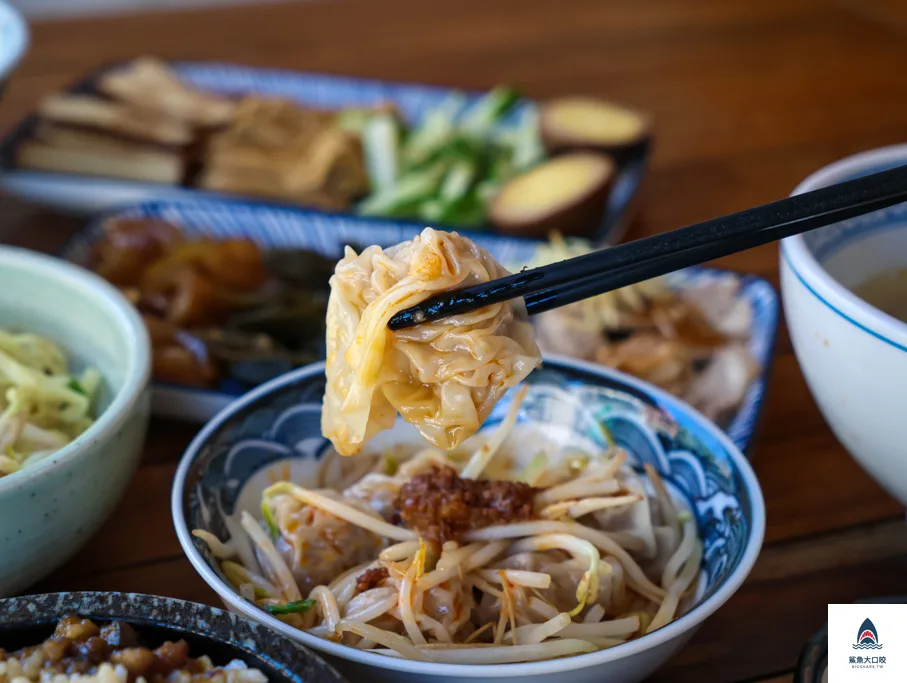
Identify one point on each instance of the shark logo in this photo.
(867, 637)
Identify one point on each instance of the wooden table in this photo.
(749, 97)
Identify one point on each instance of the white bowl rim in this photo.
(134, 333)
(795, 254)
(675, 629)
(12, 53)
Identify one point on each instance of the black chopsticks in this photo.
(584, 276)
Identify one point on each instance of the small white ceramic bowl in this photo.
(13, 40)
(853, 356)
(49, 510)
(277, 428)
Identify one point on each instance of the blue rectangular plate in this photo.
(82, 194)
(274, 227)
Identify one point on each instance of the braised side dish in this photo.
(509, 549)
(144, 123)
(80, 651)
(221, 312)
(278, 149)
(690, 341)
(444, 377)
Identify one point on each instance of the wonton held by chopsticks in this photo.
(443, 377)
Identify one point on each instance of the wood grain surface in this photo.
(748, 98)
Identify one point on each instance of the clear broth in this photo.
(887, 292)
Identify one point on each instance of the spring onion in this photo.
(294, 607)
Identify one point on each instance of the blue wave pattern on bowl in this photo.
(273, 227)
(285, 424)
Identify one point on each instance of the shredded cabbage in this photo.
(42, 406)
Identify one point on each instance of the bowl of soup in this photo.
(844, 291)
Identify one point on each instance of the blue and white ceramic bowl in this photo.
(277, 429)
(13, 41)
(853, 356)
(273, 227)
(28, 620)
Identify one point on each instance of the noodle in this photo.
(680, 556)
(328, 603)
(581, 508)
(400, 551)
(617, 627)
(344, 586)
(406, 598)
(594, 615)
(483, 456)
(526, 635)
(477, 559)
(516, 577)
(565, 582)
(344, 512)
(372, 604)
(671, 602)
(587, 591)
(579, 488)
(598, 538)
(383, 637)
(287, 585)
(222, 551)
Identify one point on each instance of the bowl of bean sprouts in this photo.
(74, 367)
(586, 531)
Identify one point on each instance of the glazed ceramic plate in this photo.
(280, 227)
(88, 194)
(209, 631)
(813, 662)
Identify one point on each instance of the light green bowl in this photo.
(48, 511)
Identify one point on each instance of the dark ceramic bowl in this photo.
(221, 635)
(813, 659)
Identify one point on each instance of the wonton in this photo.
(443, 377)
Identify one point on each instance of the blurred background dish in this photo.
(812, 665)
(13, 41)
(222, 337)
(853, 355)
(274, 432)
(417, 154)
(208, 631)
(49, 509)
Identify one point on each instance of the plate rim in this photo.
(218, 399)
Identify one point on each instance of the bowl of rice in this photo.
(135, 638)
